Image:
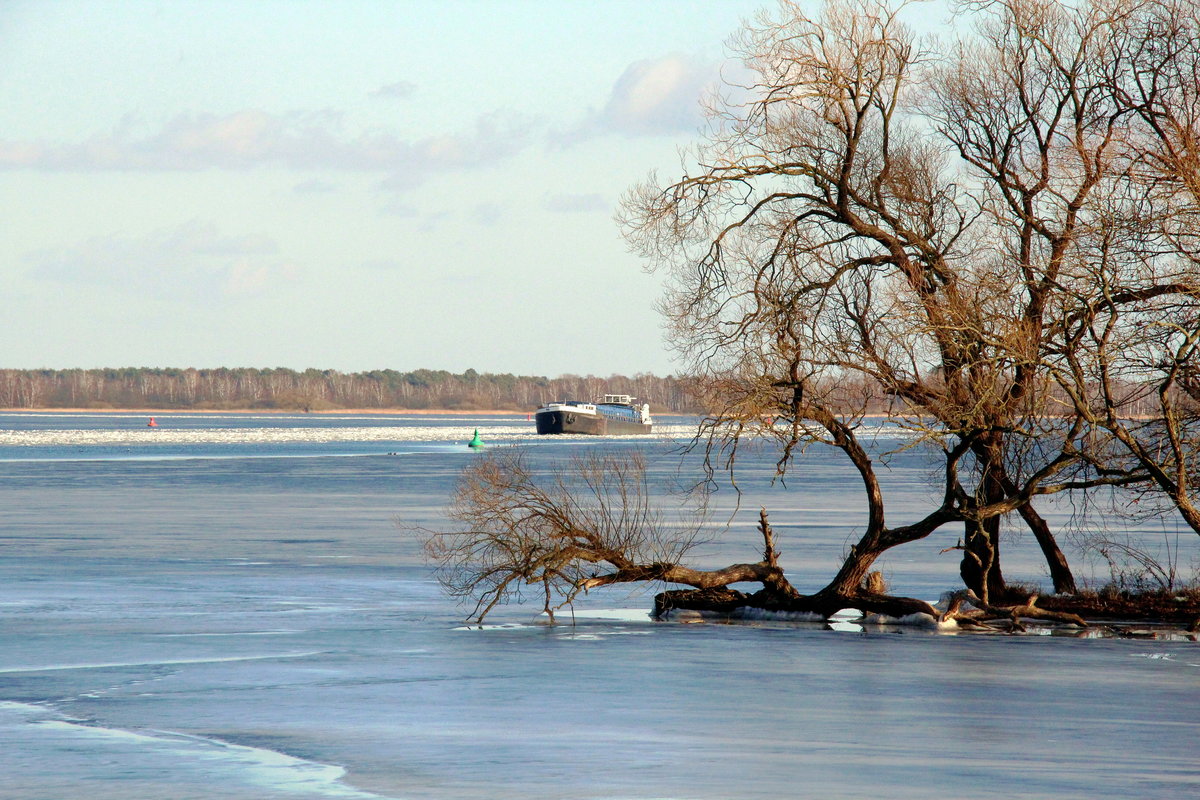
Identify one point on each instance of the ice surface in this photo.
(622, 614)
(259, 629)
(845, 627)
(789, 616)
(167, 662)
(136, 437)
(134, 757)
(912, 620)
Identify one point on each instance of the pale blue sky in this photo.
(346, 185)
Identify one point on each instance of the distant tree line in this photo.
(326, 389)
(318, 390)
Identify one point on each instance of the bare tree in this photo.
(827, 234)
(1134, 329)
(998, 234)
(589, 525)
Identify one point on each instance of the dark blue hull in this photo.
(596, 425)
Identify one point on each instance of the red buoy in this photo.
(152, 423)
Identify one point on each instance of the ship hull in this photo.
(595, 425)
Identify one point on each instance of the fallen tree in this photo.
(590, 524)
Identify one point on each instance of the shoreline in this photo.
(291, 411)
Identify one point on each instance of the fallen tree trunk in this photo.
(1013, 613)
(777, 594)
(825, 604)
(728, 601)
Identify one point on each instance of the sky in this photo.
(342, 185)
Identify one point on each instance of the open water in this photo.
(224, 608)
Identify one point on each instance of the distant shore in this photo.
(329, 411)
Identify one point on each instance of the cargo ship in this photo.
(615, 415)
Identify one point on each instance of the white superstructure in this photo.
(616, 414)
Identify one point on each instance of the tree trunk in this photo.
(980, 567)
(854, 570)
(1060, 571)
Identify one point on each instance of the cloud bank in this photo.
(193, 260)
(652, 97)
(252, 139)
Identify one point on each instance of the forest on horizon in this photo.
(321, 390)
(284, 389)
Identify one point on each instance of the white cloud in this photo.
(314, 186)
(660, 95)
(652, 97)
(192, 260)
(383, 265)
(252, 139)
(432, 221)
(399, 90)
(575, 203)
(486, 213)
(395, 208)
(246, 278)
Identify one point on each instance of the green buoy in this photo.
(476, 442)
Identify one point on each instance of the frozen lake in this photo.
(225, 608)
